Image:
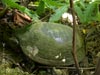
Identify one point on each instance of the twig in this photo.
(45, 16)
(74, 38)
(81, 68)
(97, 71)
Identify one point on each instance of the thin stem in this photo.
(74, 38)
(97, 71)
(61, 67)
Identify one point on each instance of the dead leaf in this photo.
(21, 19)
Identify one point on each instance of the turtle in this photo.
(49, 43)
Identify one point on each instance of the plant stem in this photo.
(97, 71)
(74, 38)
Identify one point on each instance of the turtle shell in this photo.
(50, 43)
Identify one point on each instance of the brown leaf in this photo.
(21, 19)
(18, 20)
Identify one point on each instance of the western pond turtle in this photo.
(49, 43)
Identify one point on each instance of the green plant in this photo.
(87, 12)
(12, 4)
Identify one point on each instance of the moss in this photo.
(12, 71)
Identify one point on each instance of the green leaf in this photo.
(58, 13)
(15, 0)
(40, 8)
(97, 11)
(81, 4)
(88, 13)
(98, 16)
(52, 4)
(80, 14)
